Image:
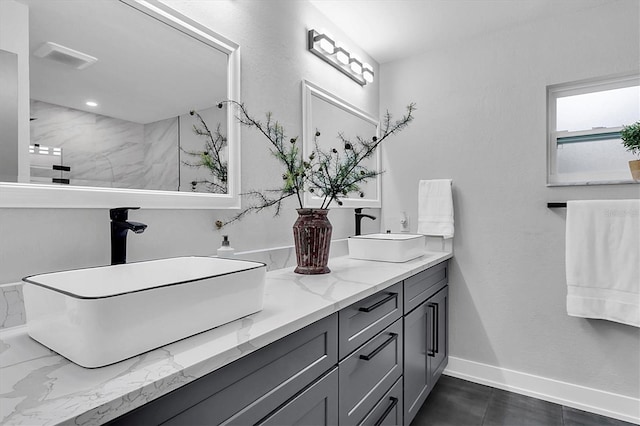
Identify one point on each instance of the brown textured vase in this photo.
(312, 238)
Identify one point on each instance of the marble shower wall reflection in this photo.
(162, 167)
(103, 151)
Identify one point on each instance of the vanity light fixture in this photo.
(91, 103)
(327, 49)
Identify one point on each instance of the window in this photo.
(584, 123)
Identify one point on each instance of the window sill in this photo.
(592, 183)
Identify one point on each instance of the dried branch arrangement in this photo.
(332, 175)
(210, 157)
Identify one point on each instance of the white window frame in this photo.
(557, 91)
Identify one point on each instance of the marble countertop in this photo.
(40, 387)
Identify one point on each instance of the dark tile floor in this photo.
(456, 402)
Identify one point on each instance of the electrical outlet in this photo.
(404, 222)
(397, 223)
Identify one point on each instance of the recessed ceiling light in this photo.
(91, 103)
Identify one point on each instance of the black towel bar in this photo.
(555, 204)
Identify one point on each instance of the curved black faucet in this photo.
(359, 216)
(119, 227)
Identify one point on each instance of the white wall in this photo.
(272, 36)
(14, 38)
(481, 121)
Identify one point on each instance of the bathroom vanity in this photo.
(362, 345)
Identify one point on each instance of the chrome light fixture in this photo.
(326, 49)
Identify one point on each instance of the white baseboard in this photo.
(582, 398)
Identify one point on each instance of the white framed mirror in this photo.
(146, 66)
(326, 113)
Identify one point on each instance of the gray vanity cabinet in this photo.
(371, 363)
(426, 338)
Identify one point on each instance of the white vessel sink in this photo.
(386, 247)
(99, 316)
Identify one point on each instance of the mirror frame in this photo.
(28, 195)
(309, 91)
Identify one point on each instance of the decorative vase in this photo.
(312, 238)
(634, 166)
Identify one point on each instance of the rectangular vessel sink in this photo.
(386, 247)
(99, 316)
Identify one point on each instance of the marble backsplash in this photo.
(12, 312)
(11, 305)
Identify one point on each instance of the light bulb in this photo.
(327, 46)
(356, 67)
(342, 56)
(367, 73)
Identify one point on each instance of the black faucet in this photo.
(359, 216)
(119, 227)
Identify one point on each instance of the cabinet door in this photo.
(316, 405)
(416, 361)
(425, 351)
(438, 333)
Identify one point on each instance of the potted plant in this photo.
(332, 175)
(631, 140)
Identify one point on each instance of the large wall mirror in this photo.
(324, 112)
(123, 110)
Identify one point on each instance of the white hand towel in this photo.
(603, 260)
(435, 208)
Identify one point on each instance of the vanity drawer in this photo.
(316, 405)
(423, 285)
(368, 373)
(364, 319)
(388, 411)
(248, 389)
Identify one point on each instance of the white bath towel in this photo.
(435, 208)
(603, 260)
